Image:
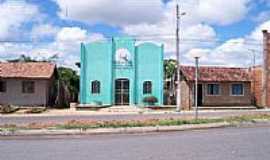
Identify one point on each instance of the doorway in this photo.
(200, 95)
(122, 92)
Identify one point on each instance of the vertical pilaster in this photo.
(266, 70)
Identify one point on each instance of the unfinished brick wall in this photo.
(185, 96)
(265, 102)
(256, 85)
(225, 98)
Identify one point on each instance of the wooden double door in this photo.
(122, 87)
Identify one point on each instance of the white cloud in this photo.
(195, 29)
(197, 52)
(257, 33)
(66, 46)
(68, 39)
(44, 30)
(223, 12)
(156, 22)
(13, 14)
(236, 52)
(164, 31)
(116, 12)
(233, 52)
(71, 34)
(131, 12)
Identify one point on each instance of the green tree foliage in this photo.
(24, 58)
(71, 80)
(169, 86)
(169, 68)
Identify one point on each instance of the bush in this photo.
(36, 110)
(151, 100)
(5, 109)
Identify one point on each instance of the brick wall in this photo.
(186, 98)
(266, 70)
(225, 98)
(256, 85)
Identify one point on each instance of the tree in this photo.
(68, 82)
(169, 68)
(24, 58)
(169, 87)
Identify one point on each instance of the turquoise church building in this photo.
(121, 71)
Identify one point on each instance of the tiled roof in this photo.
(216, 74)
(31, 70)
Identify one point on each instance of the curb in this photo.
(99, 131)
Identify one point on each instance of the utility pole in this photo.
(178, 90)
(196, 87)
(253, 74)
(66, 11)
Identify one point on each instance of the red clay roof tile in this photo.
(31, 70)
(216, 74)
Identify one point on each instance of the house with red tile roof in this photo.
(27, 83)
(217, 86)
(224, 86)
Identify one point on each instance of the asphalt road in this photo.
(215, 144)
(6, 119)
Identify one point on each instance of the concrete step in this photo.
(123, 109)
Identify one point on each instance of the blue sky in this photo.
(220, 31)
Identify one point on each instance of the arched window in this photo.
(147, 87)
(95, 87)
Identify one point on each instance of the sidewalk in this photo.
(108, 111)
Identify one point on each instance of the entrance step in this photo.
(123, 109)
(226, 108)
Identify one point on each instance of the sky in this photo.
(225, 33)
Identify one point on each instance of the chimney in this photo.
(266, 69)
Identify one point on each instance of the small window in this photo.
(237, 89)
(147, 87)
(3, 86)
(95, 87)
(28, 87)
(213, 89)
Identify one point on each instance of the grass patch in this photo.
(125, 124)
(9, 127)
(158, 122)
(8, 109)
(35, 110)
(248, 118)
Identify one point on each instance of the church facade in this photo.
(121, 71)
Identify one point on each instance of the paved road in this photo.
(58, 119)
(215, 144)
